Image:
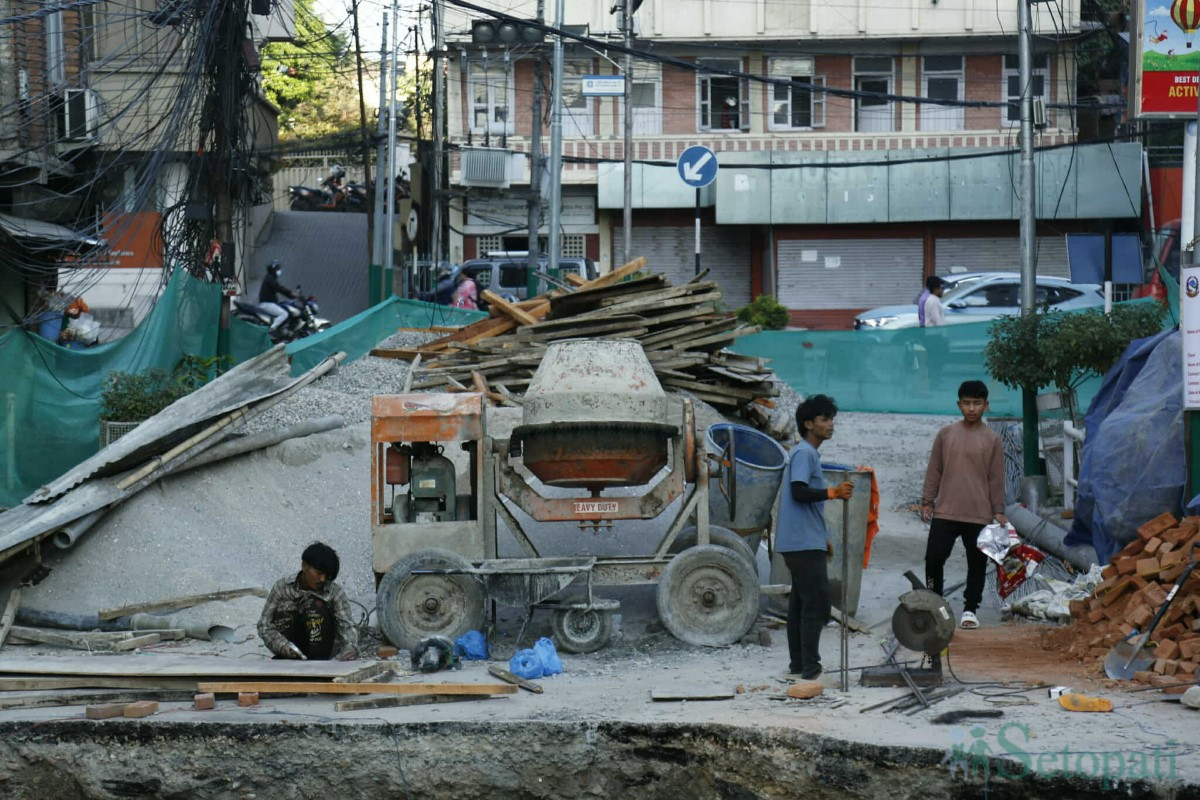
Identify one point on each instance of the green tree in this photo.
(295, 72)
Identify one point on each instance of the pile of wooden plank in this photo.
(1136, 583)
(682, 329)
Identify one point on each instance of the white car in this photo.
(987, 297)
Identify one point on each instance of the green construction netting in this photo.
(51, 394)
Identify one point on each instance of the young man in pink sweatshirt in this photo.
(963, 492)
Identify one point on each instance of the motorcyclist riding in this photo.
(333, 185)
(269, 293)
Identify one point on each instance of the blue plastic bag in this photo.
(526, 664)
(471, 646)
(551, 663)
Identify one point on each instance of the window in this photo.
(1012, 85)
(647, 99)
(942, 79)
(572, 244)
(513, 276)
(873, 114)
(724, 100)
(795, 105)
(56, 68)
(576, 109)
(492, 96)
(487, 244)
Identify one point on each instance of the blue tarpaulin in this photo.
(1133, 467)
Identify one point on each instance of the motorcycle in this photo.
(356, 198)
(302, 318)
(305, 198)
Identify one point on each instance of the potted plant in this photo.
(766, 312)
(128, 399)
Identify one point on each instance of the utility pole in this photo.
(1029, 413)
(439, 98)
(535, 156)
(362, 120)
(389, 230)
(556, 140)
(627, 219)
(376, 268)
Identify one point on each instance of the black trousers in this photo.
(808, 609)
(942, 535)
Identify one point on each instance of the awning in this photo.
(42, 235)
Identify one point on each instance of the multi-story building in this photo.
(837, 190)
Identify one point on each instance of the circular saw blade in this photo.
(923, 622)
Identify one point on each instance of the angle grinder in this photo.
(922, 622)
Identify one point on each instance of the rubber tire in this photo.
(722, 537)
(688, 615)
(301, 204)
(598, 626)
(406, 630)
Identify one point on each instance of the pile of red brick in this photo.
(1136, 583)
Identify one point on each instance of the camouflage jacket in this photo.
(280, 610)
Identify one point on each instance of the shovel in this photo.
(1125, 658)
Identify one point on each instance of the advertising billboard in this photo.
(1166, 59)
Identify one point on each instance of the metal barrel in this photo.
(759, 463)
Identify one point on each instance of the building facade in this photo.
(841, 183)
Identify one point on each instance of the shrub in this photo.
(766, 312)
(133, 397)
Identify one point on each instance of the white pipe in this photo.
(66, 537)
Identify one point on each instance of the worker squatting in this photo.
(1014, 761)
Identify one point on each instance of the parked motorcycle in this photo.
(302, 317)
(331, 195)
(356, 198)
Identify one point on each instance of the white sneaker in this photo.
(969, 620)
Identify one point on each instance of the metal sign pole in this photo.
(845, 654)
(697, 230)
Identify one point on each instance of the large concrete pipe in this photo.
(1045, 535)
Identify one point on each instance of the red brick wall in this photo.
(679, 100)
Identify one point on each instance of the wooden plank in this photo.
(495, 300)
(609, 278)
(135, 642)
(396, 701)
(659, 294)
(175, 665)
(396, 354)
(10, 614)
(77, 641)
(365, 673)
(691, 693)
(649, 305)
(34, 683)
(734, 334)
(45, 700)
(575, 279)
(181, 602)
(724, 390)
(508, 677)
(271, 687)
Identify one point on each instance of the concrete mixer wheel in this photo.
(578, 630)
(723, 537)
(708, 595)
(415, 606)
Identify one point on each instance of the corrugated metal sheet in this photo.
(849, 273)
(724, 252)
(259, 377)
(1000, 254)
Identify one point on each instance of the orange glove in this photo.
(842, 491)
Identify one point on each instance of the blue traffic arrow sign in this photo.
(697, 166)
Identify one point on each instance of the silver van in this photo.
(507, 274)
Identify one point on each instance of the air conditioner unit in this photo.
(491, 167)
(79, 116)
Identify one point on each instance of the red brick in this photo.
(247, 698)
(1078, 608)
(1096, 616)
(1138, 582)
(1179, 688)
(1111, 570)
(1125, 628)
(1177, 535)
(142, 708)
(1152, 546)
(1154, 595)
(1172, 558)
(1164, 521)
(1171, 574)
(105, 710)
(1163, 680)
(1144, 676)
(387, 651)
(1125, 565)
(1166, 649)
(206, 701)
(1160, 666)
(1140, 616)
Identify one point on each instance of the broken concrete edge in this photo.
(734, 754)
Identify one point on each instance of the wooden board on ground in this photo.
(175, 666)
(367, 673)
(51, 699)
(508, 677)
(397, 701)
(676, 693)
(37, 683)
(270, 687)
(181, 602)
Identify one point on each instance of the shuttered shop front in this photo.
(999, 254)
(849, 273)
(725, 251)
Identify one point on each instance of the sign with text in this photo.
(1165, 62)
(1189, 324)
(603, 85)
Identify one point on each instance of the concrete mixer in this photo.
(595, 446)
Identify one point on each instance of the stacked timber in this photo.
(681, 328)
(1136, 584)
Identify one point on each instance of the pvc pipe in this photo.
(66, 536)
(1045, 535)
(136, 622)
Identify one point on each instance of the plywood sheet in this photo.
(168, 666)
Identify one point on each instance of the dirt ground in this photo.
(245, 522)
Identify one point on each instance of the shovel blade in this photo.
(1125, 658)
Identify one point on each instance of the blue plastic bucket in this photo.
(49, 324)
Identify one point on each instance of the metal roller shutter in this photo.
(849, 273)
(724, 251)
(1002, 254)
